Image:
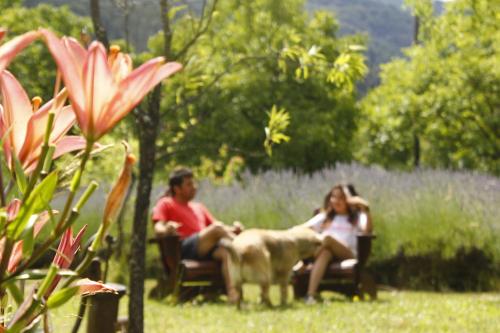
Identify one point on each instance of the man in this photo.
(200, 233)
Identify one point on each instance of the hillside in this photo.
(385, 23)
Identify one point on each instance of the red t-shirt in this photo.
(192, 216)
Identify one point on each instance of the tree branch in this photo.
(202, 29)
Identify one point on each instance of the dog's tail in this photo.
(228, 245)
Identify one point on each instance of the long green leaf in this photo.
(29, 237)
(61, 296)
(37, 201)
(21, 179)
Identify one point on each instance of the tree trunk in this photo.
(99, 29)
(416, 151)
(167, 31)
(147, 122)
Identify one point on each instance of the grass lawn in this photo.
(394, 311)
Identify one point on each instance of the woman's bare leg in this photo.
(331, 248)
(318, 271)
(338, 249)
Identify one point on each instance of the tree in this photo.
(147, 118)
(256, 55)
(447, 90)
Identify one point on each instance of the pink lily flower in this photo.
(66, 251)
(9, 50)
(68, 247)
(103, 89)
(26, 124)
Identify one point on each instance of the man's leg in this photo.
(210, 236)
(222, 255)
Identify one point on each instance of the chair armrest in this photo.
(170, 250)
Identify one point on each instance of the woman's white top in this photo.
(340, 228)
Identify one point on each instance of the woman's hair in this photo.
(347, 189)
(176, 178)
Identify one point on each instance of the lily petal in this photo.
(17, 109)
(9, 50)
(98, 83)
(15, 257)
(116, 197)
(42, 219)
(63, 121)
(37, 126)
(3, 131)
(69, 143)
(133, 89)
(89, 287)
(67, 247)
(13, 209)
(78, 238)
(70, 68)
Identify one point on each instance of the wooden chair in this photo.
(186, 279)
(348, 277)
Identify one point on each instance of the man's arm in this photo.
(165, 228)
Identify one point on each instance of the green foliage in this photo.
(446, 93)
(255, 55)
(385, 24)
(34, 68)
(9, 3)
(278, 122)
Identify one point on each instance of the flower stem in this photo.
(70, 216)
(75, 184)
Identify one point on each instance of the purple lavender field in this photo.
(436, 212)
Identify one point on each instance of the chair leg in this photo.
(368, 286)
(178, 285)
(300, 286)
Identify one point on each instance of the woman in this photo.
(344, 215)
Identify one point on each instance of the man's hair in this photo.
(176, 178)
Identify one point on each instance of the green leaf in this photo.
(29, 237)
(278, 123)
(15, 292)
(61, 296)
(21, 179)
(38, 200)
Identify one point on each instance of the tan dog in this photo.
(268, 256)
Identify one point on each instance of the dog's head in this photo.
(307, 240)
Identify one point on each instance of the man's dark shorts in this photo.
(189, 248)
